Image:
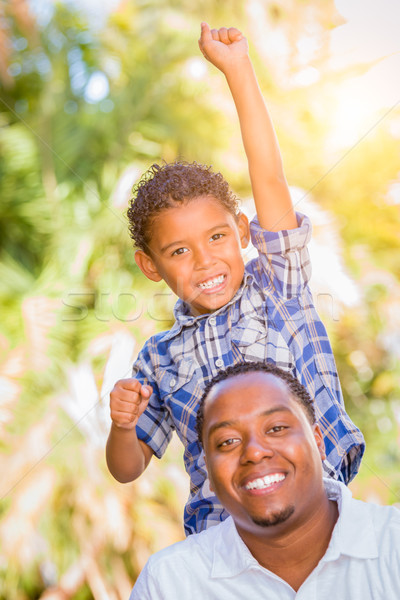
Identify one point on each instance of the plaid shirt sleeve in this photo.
(155, 425)
(284, 267)
(283, 270)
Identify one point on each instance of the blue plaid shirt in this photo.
(271, 318)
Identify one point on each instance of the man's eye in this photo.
(228, 442)
(179, 251)
(217, 236)
(277, 429)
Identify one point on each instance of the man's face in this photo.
(263, 456)
(196, 248)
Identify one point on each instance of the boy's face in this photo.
(196, 248)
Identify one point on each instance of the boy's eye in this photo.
(217, 236)
(179, 251)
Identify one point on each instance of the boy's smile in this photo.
(196, 248)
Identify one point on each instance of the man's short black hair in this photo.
(297, 390)
(165, 186)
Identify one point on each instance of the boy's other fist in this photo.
(222, 47)
(128, 400)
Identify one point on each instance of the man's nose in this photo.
(256, 449)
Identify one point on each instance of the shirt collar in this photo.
(230, 544)
(182, 315)
(354, 533)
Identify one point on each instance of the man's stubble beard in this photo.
(274, 519)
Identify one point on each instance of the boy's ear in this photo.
(147, 266)
(244, 230)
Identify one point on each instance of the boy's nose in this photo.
(255, 450)
(203, 258)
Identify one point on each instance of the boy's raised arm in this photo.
(227, 49)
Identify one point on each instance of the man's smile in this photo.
(263, 483)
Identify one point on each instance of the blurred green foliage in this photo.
(68, 280)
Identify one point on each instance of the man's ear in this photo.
(209, 480)
(147, 266)
(320, 441)
(244, 229)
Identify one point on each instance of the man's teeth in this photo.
(264, 482)
(211, 282)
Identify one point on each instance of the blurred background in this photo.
(91, 95)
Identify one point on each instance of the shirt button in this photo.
(219, 362)
(172, 382)
(212, 320)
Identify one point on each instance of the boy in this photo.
(189, 232)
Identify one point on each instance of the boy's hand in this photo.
(223, 47)
(128, 400)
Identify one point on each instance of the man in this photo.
(291, 533)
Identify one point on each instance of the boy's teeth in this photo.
(264, 482)
(211, 283)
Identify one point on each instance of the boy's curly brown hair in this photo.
(164, 186)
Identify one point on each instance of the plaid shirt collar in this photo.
(182, 315)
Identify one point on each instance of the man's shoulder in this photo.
(196, 547)
(379, 514)
(183, 569)
(385, 519)
(381, 528)
(369, 525)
